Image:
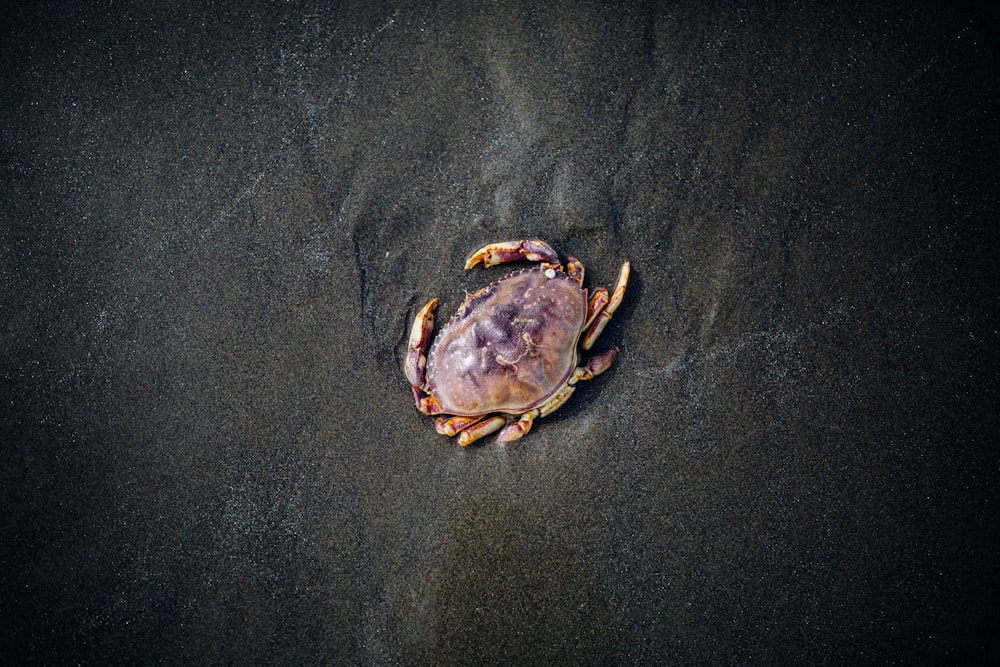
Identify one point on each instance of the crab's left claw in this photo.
(416, 351)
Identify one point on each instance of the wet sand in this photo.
(218, 224)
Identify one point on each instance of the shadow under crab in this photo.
(511, 353)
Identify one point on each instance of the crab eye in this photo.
(550, 273)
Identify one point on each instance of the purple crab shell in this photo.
(510, 346)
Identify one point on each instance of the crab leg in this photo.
(428, 405)
(481, 429)
(604, 316)
(531, 250)
(452, 425)
(574, 269)
(596, 365)
(598, 300)
(557, 401)
(518, 428)
(420, 337)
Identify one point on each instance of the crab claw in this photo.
(420, 336)
(531, 250)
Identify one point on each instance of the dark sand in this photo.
(217, 225)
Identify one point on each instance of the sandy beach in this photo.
(218, 224)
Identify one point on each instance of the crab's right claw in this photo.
(531, 250)
(416, 351)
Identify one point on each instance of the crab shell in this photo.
(510, 346)
(511, 352)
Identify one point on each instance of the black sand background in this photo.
(218, 222)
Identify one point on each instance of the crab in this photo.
(511, 353)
